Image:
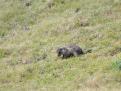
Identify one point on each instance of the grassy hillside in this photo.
(32, 30)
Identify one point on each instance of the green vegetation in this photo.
(30, 35)
(117, 65)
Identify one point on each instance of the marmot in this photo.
(69, 51)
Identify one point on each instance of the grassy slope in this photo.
(30, 36)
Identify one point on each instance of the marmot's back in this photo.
(76, 50)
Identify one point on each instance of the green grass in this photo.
(30, 35)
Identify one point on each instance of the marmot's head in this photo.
(61, 51)
(64, 52)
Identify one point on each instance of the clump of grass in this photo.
(117, 65)
(2, 53)
(2, 33)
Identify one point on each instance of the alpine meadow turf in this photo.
(32, 30)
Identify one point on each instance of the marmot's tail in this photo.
(87, 51)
